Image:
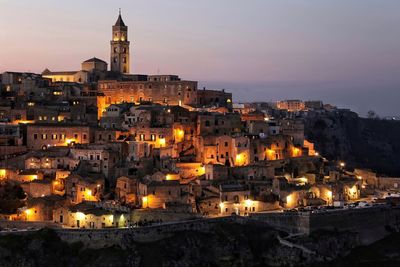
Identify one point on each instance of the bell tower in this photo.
(120, 47)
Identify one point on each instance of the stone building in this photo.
(291, 105)
(92, 70)
(157, 194)
(218, 124)
(38, 188)
(40, 209)
(236, 199)
(89, 216)
(209, 98)
(293, 128)
(126, 190)
(84, 188)
(43, 136)
(172, 91)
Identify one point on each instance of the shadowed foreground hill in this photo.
(382, 253)
(225, 244)
(365, 143)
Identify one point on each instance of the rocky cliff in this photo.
(366, 143)
(226, 244)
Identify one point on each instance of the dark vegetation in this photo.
(44, 248)
(385, 253)
(11, 198)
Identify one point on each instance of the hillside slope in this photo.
(366, 143)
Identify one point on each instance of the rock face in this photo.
(226, 244)
(365, 143)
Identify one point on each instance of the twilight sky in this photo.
(346, 52)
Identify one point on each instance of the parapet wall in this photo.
(291, 222)
(97, 238)
(371, 222)
(26, 225)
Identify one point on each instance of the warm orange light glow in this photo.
(248, 202)
(2, 173)
(23, 121)
(145, 202)
(202, 170)
(240, 160)
(270, 154)
(329, 195)
(161, 142)
(303, 180)
(296, 152)
(171, 177)
(80, 216)
(353, 191)
(289, 201)
(69, 141)
(179, 135)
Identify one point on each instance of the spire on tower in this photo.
(119, 22)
